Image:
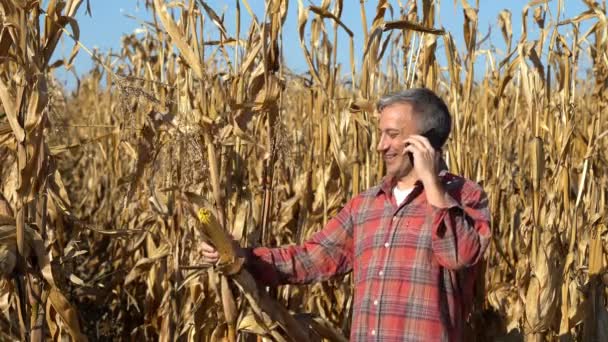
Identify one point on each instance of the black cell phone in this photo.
(433, 138)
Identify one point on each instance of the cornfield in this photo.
(107, 191)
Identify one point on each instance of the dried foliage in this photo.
(177, 139)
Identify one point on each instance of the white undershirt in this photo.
(401, 194)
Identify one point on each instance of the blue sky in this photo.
(109, 21)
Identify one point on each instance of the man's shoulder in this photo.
(370, 192)
(364, 198)
(457, 183)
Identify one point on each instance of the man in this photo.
(412, 242)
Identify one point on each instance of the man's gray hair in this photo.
(432, 114)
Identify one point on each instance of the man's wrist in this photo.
(436, 193)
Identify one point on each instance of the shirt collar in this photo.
(388, 183)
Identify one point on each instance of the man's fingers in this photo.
(414, 143)
(420, 141)
(211, 254)
(411, 148)
(409, 142)
(424, 141)
(208, 248)
(211, 257)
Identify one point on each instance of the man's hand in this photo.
(426, 159)
(210, 254)
(426, 165)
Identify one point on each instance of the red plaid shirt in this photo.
(413, 264)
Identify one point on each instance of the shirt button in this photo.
(373, 332)
(386, 244)
(381, 273)
(376, 302)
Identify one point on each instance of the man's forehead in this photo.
(400, 113)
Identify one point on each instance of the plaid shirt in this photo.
(413, 264)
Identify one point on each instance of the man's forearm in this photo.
(461, 232)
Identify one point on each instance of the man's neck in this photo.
(407, 181)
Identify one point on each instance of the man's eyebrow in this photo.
(391, 130)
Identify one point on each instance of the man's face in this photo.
(397, 122)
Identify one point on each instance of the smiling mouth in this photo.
(390, 157)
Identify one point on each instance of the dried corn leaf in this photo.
(68, 314)
(178, 39)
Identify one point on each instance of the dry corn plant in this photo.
(33, 302)
(179, 138)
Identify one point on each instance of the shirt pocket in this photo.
(411, 243)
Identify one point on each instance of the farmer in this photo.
(412, 242)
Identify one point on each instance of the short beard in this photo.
(401, 172)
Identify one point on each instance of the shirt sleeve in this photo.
(327, 253)
(461, 232)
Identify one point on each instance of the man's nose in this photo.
(382, 145)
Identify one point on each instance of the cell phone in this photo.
(433, 138)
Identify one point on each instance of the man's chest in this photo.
(391, 241)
